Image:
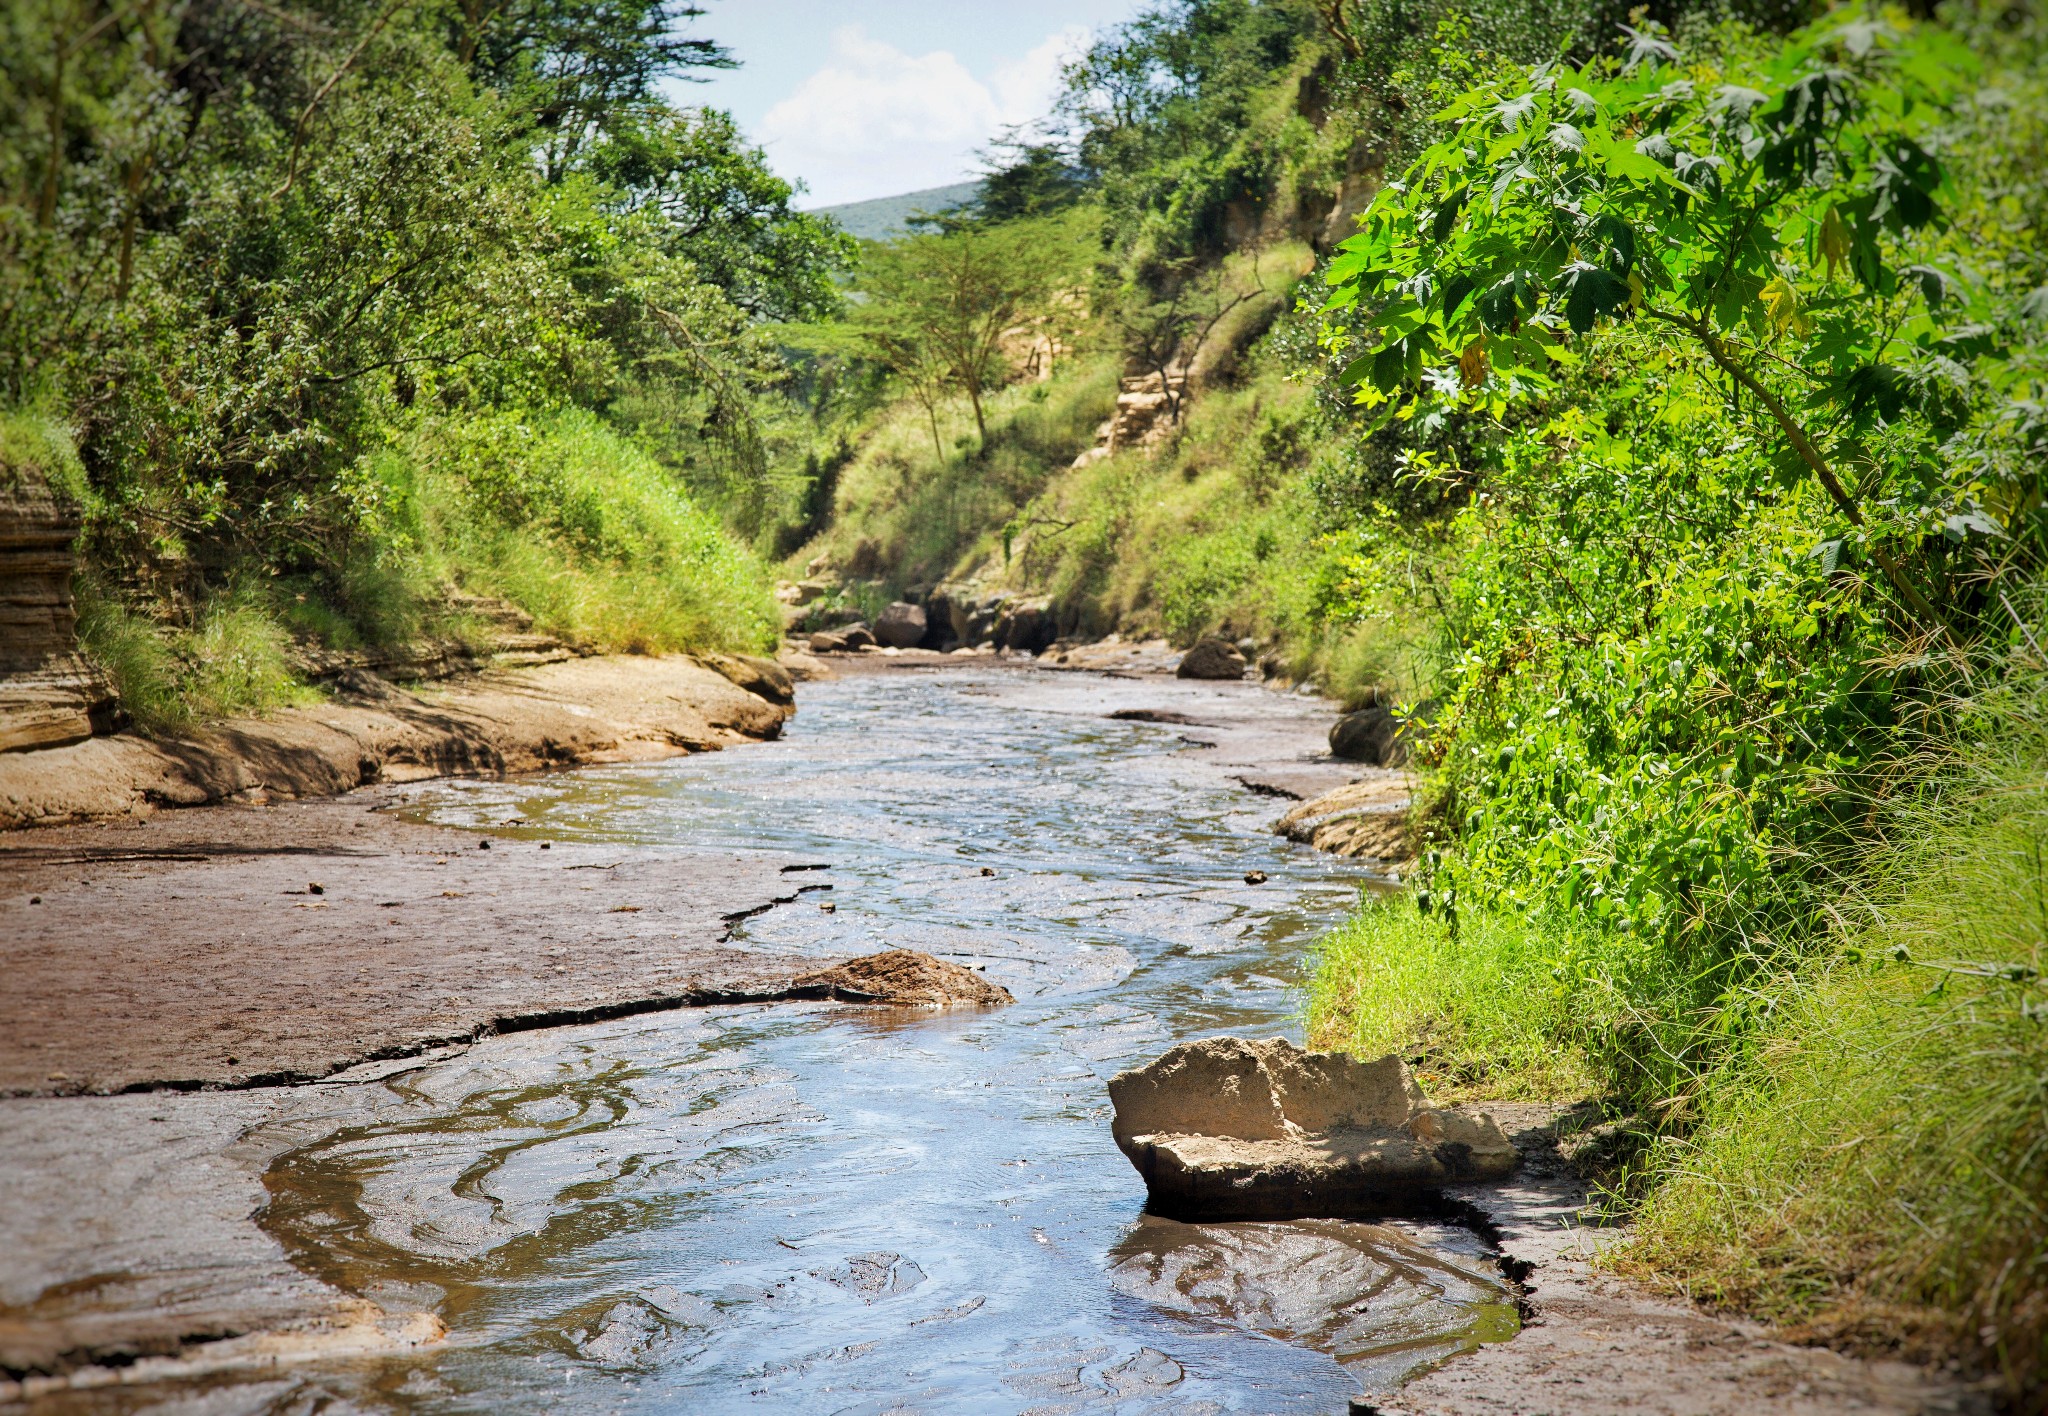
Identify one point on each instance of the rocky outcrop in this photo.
(1147, 409)
(1211, 659)
(764, 678)
(1361, 820)
(49, 694)
(904, 978)
(620, 709)
(901, 626)
(1230, 1128)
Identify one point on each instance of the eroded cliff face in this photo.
(49, 694)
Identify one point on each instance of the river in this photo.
(834, 1209)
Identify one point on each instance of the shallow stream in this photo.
(821, 1208)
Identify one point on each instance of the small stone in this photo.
(314, 887)
(35, 899)
(828, 907)
(547, 845)
(234, 1061)
(1255, 877)
(988, 870)
(483, 845)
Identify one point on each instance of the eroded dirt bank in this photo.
(617, 708)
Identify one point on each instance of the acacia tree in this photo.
(1777, 216)
(937, 306)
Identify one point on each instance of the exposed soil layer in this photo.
(613, 709)
(189, 950)
(1595, 1345)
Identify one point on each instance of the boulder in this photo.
(901, 626)
(764, 678)
(945, 620)
(1211, 658)
(1371, 735)
(1027, 625)
(1358, 820)
(840, 641)
(905, 978)
(1231, 1128)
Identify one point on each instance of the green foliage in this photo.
(1874, 1166)
(1769, 210)
(234, 660)
(568, 519)
(243, 250)
(1391, 979)
(1674, 697)
(721, 209)
(937, 307)
(1175, 118)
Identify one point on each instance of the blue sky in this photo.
(868, 98)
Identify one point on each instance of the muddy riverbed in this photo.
(806, 1206)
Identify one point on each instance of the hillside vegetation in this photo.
(335, 319)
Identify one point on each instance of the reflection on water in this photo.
(815, 1208)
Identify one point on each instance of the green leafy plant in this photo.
(1769, 212)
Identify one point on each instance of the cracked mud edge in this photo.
(506, 1024)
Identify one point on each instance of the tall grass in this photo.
(234, 659)
(565, 517)
(1875, 1170)
(559, 514)
(1475, 1010)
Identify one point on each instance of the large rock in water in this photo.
(901, 626)
(905, 978)
(1211, 659)
(1229, 1128)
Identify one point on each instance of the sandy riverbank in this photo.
(616, 708)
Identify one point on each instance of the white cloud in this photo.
(876, 121)
(1025, 88)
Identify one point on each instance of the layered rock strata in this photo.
(49, 694)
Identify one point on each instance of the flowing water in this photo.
(824, 1208)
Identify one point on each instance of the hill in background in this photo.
(886, 217)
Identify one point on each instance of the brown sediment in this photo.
(620, 708)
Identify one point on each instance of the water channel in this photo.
(830, 1209)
